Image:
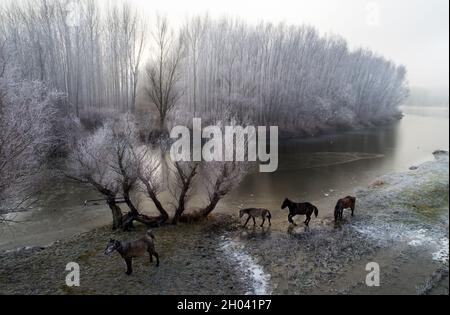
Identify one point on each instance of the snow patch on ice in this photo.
(413, 237)
(442, 254)
(250, 269)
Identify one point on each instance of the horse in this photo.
(130, 250)
(253, 213)
(305, 208)
(344, 203)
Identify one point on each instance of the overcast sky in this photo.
(411, 32)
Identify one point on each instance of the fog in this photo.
(410, 32)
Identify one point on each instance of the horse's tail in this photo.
(316, 211)
(353, 202)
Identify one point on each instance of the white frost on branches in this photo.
(27, 114)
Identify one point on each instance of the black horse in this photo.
(300, 209)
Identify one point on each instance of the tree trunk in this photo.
(162, 121)
(159, 206)
(187, 180)
(200, 214)
(180, 208)
(116, 214)
(212, 205)
(129, 218)
(126, 187)
(133, 210)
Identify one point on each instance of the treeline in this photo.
(104, 58)
(91, 54)
(286, 75)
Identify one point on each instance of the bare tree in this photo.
(193, 36)
(220, 178)
(163, 71)
(132, 163)
(112, 161)
(151, 181)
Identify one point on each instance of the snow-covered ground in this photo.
(249, 270)
(410, 207)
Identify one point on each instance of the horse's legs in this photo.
(150, 254)
(264, 220)
(308, 218)
(157, 258)
(290, 216)
(129, 266)
(353, 210)
(248, 219)
(254, 221)
(270, 223)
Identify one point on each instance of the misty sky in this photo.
(411, 32)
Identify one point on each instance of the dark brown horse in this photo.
(344, 203)
(133, 249)
(305, 208)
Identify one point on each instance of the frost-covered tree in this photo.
(90, 163)
(88, 51)
(28, 111)
(216, 178)
(113, 161)
(287, 76)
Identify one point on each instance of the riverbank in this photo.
(401, 222)
(189, 264)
